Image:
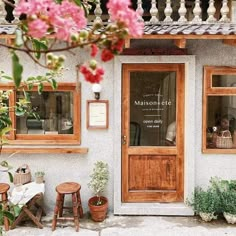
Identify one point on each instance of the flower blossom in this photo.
(37, 28)
(94, 50)
(106, 55)
(63, 19)
(120, 11)
(92, 76)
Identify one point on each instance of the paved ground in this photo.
(132, 226)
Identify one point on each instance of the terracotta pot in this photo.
(98, 213)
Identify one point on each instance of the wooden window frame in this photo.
(25, 139)
(209, 90)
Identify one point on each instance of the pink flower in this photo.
(119, 11)
(106, 55)
(62, 19)
(37, 28)
(94, 50)
(92, 76)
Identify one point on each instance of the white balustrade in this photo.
(168, 11)
(197, 11)
(154, 13)
(224, 12)
(140, 9)
(98, 13)
(211, 12)
(3, 13)
(182, 12)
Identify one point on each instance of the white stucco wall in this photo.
(75, 167)
(70, 167)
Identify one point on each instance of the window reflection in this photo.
(221, 122)
(55, 112)
(152, 108)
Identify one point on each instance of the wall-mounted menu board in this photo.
(97, 114)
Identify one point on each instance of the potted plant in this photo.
(229, 205)
(39, 177)
(98, 204)
(205, 203)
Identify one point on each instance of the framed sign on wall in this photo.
(97, 114)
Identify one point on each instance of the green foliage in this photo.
(99, 179)
(206, 201)
(39, 173)
(17, 70)
(229, 202)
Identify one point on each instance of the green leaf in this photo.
(54, 84)
(30, 86)
(9, 215)
(40, 88)
(16, 210)
(10, 177)
(5, 131)
(77, 2)
(7, 77)
(17, 70)
(38, 46)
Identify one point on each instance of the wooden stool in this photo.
(63, 189)
(3, 192)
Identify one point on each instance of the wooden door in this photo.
(152, 112)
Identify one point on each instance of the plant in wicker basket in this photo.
(98, 204)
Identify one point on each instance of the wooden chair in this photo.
(62, 190)
(3, 192)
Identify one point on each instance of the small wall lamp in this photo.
(97, 88)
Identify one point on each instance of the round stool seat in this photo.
(68, 188)
(4, 188)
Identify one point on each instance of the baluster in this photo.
(182, 12)
(224, 12)
(3, 13)
(168, 11)
(16, 17)
(154, 12)
(211, 12)
(98, 13)
(140, 10)
(197, 11)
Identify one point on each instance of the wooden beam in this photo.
(231, 42)
(127, 43)
(180, 43)
(38, 150)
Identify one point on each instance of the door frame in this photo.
(189, 170)
(163, 152)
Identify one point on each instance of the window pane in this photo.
(152, 108)
(224, 81)
(221, 122)
(55, 110)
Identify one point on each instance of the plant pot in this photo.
(230, 218)
(98, 213)
(207, 216)
(39, 179)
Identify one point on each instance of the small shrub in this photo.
(206, 201)
(99, 179)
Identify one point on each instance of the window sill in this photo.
(33, 149)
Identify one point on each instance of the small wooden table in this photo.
(33, 210)
(32, 204)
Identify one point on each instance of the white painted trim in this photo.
(189, 170)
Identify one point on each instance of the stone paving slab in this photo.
(132, 226)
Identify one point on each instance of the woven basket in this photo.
(225, 140)
(22, 175)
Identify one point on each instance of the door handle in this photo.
(124, 139)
